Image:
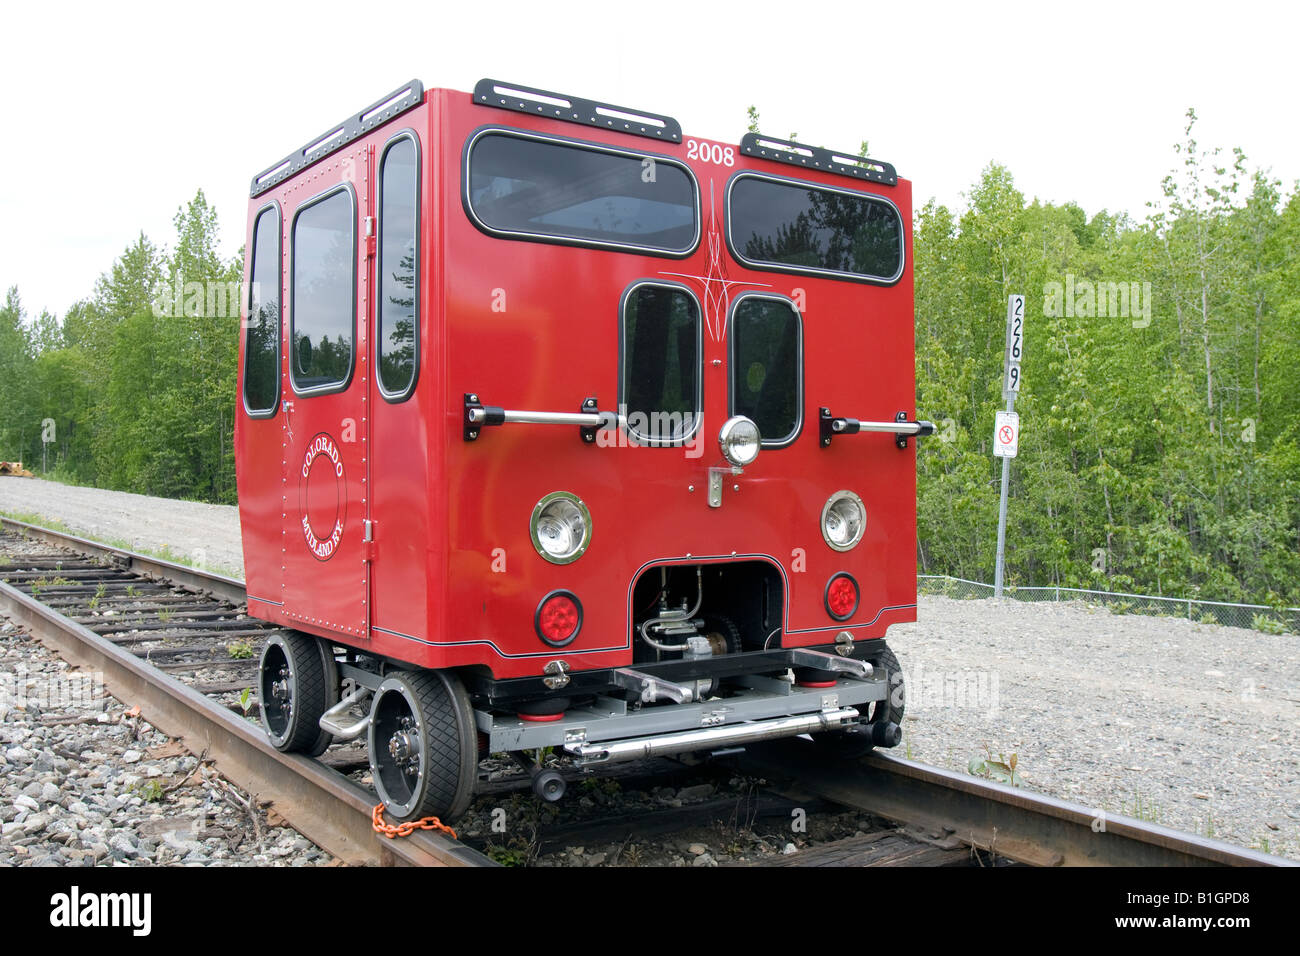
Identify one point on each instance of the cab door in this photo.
(325, 524)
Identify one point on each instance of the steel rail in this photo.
(1027, 827)
(322, 804)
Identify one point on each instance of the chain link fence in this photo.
(1261, 617)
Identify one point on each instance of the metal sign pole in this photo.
(1003, 447)
(1002, 514)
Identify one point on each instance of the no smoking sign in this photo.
(1006, 435)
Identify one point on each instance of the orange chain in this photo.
(392, 830)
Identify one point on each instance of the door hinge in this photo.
(368, 538)
(370, 236)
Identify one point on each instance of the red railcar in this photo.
(561, 428)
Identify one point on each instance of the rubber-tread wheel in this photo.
(297, 683)
(852, 746)
(423, 746)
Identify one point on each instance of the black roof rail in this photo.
(815, 157)
(571, 109)
(405, 97)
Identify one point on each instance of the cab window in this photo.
(790, 226)
(323, 292)
(659, 385)
(262, 338)
(767, 366)
(397, 319)
(530, 187)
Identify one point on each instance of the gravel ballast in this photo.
(85, 780)
(1190, 725)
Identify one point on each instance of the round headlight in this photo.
(739, 441)
(560, 527)
(843, 520)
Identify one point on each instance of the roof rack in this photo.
(571, 109)
(405, 97)
(815, 157)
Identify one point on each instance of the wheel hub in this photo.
(280, 688)
(403, 747)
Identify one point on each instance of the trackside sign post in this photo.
(1006, 428)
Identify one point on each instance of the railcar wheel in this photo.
(852, 746)
(423, 746)
(297, 682)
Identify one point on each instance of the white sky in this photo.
(114, 114)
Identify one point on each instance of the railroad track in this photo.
(178, 642)
(165, 666)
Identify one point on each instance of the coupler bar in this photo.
(640, 748)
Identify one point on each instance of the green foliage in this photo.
(508, 855)
(1268, 624)
(1002, 770)
(1161, 449)
(241, 650)
(151, 791)
(135, 389)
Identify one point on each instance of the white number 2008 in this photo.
(711, 153)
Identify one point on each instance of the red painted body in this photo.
(451, 578)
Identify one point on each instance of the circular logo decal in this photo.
(322, 497)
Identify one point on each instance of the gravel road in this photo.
(200, 534)
(1190, 725)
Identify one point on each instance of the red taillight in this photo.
(558, 618)
(841, 597)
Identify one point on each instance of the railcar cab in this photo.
(561, 428)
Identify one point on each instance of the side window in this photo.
(323, 292)
(659, 382)
(397, 319)
(767, 366)
(262, 341)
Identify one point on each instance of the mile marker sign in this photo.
(1015, 344)
(1006, 435)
